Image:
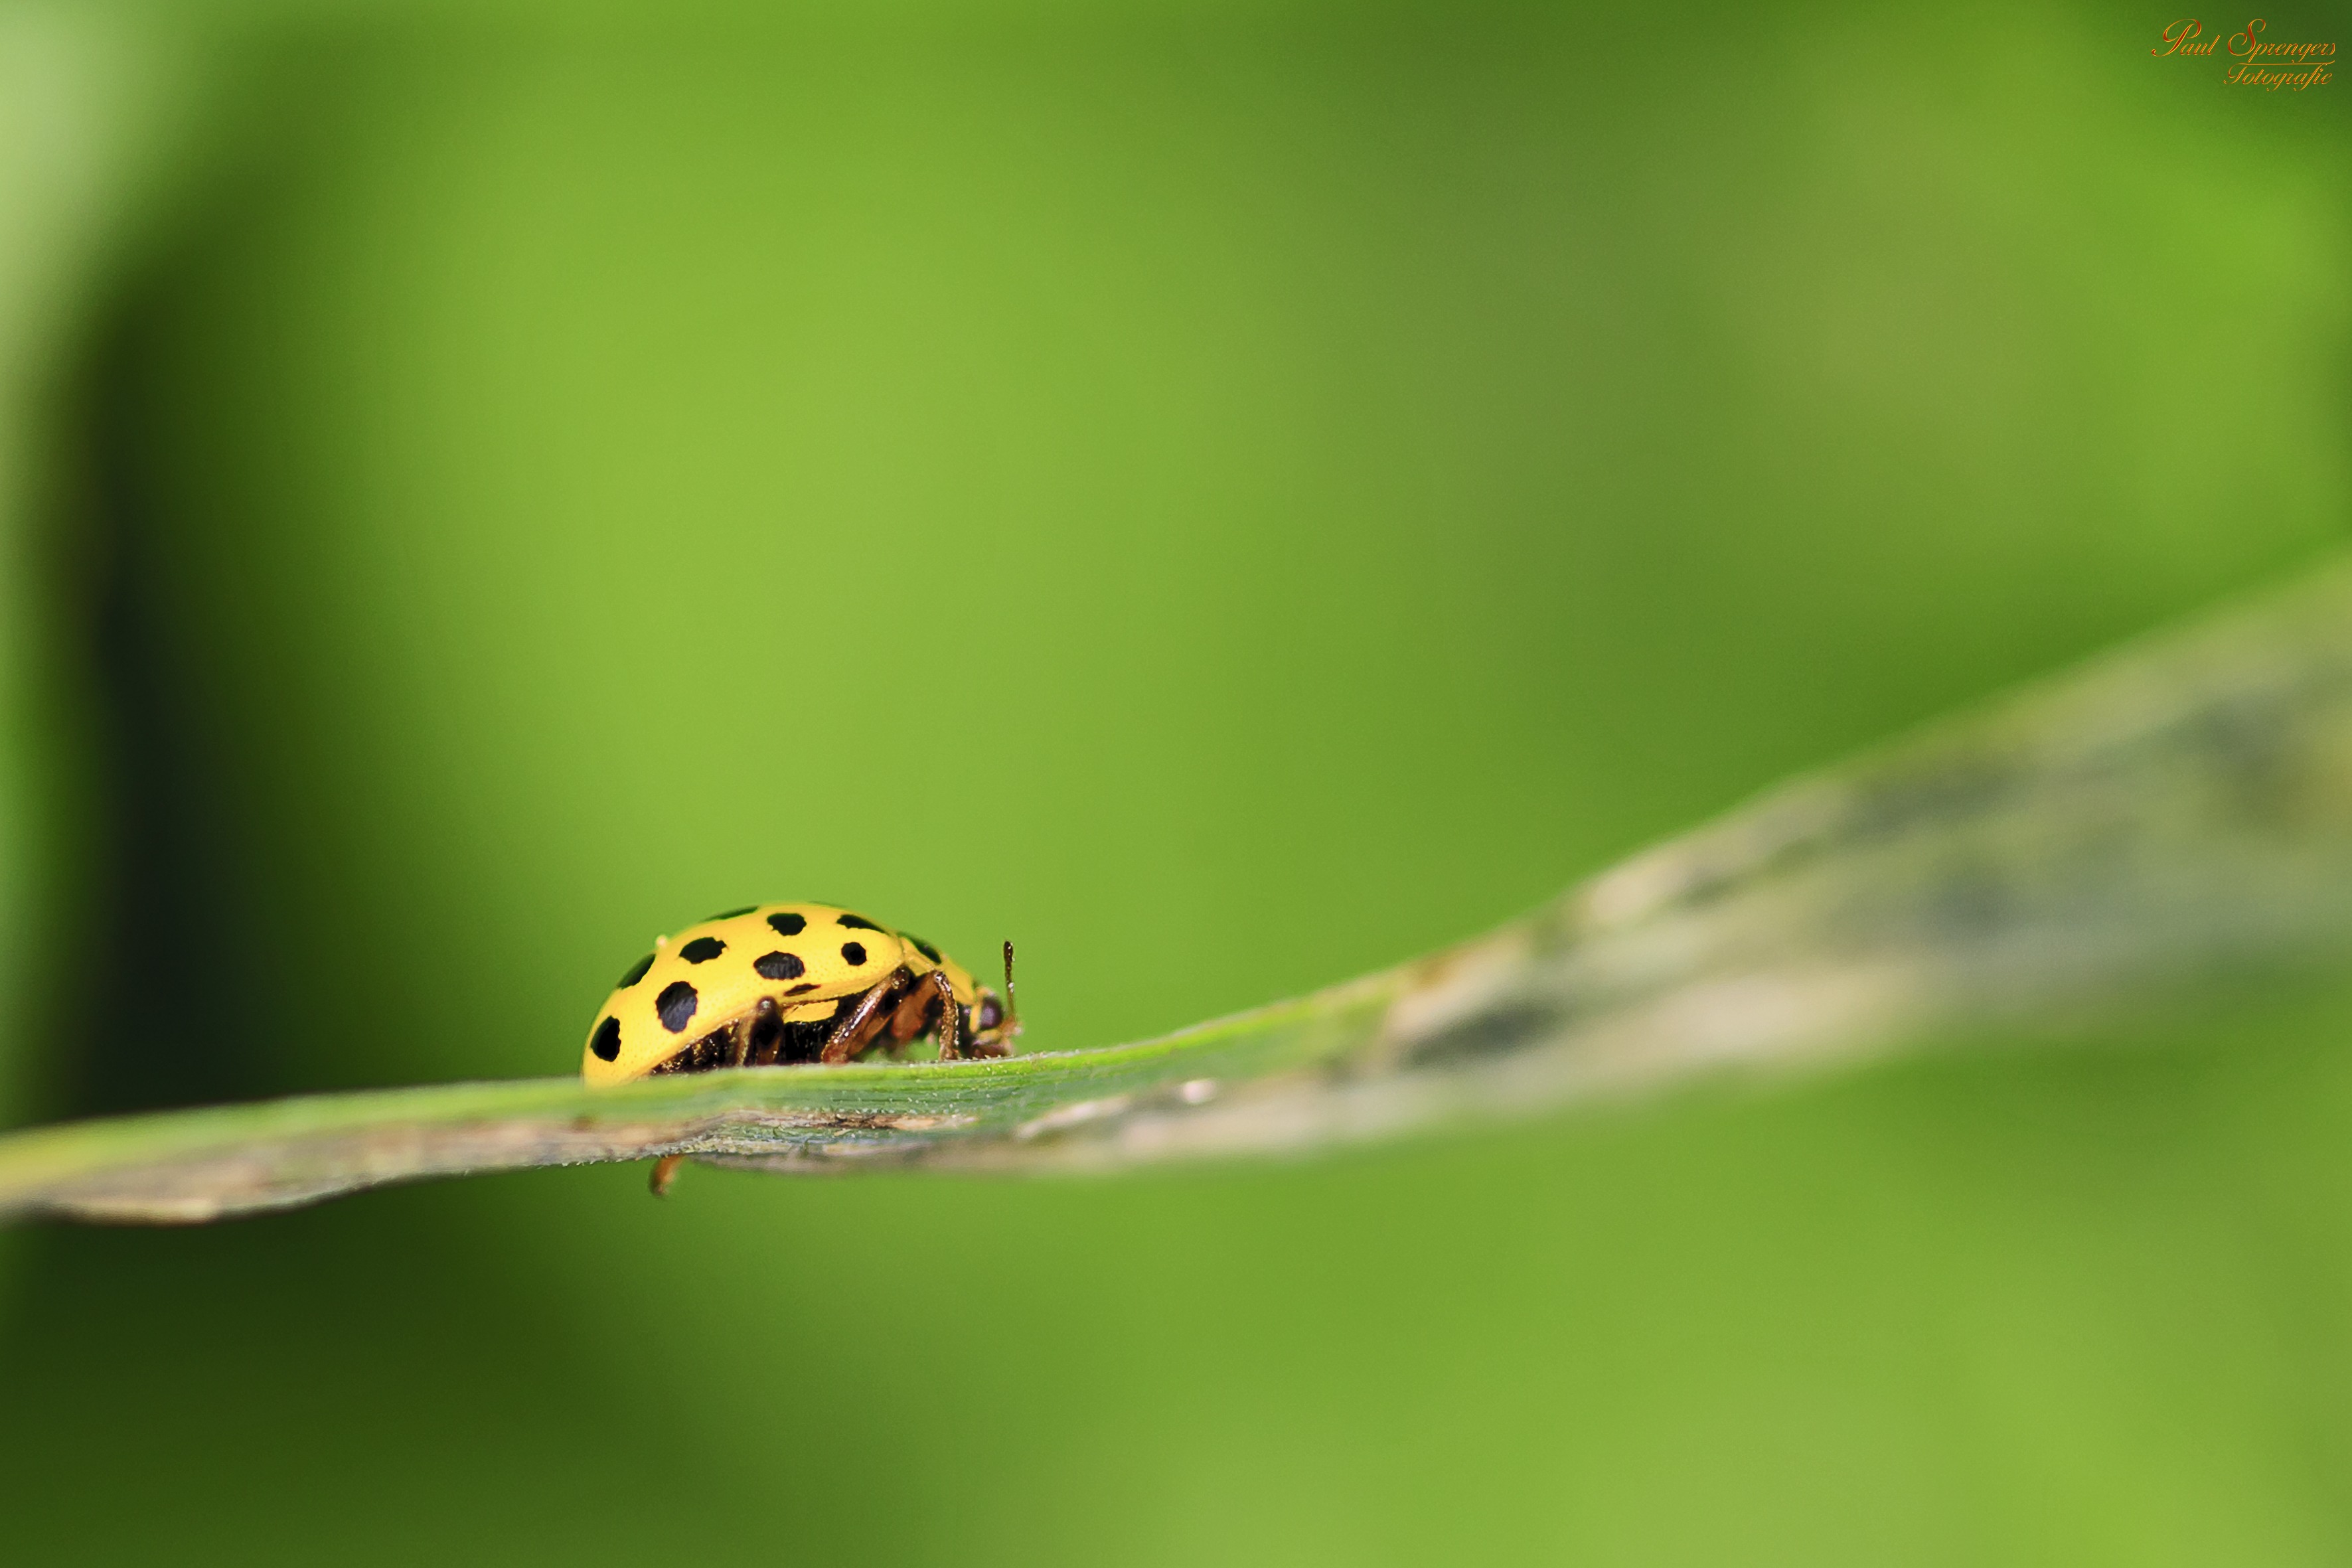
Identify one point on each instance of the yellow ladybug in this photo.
(790, 983)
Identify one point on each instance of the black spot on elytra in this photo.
(676, 1004)
(925, 947)
(779, 965)
(858, 923)
(786, 923)
(733, 914)
(606, 1041)
(636, 973)
(702, 950)
(852, 954)
(798, 989)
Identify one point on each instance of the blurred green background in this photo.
(1230, 496)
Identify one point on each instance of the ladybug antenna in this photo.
(1011, 1002)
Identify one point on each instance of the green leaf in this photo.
(2174, 815)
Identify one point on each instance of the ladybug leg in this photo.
(863, 1022)
(951, 1042)
(764, 1031)
(951, 1020)
(913, 1014)
(664, 1173)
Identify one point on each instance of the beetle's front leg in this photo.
(913, 1014)
(863, 1022)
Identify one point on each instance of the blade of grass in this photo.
(2176, 813)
